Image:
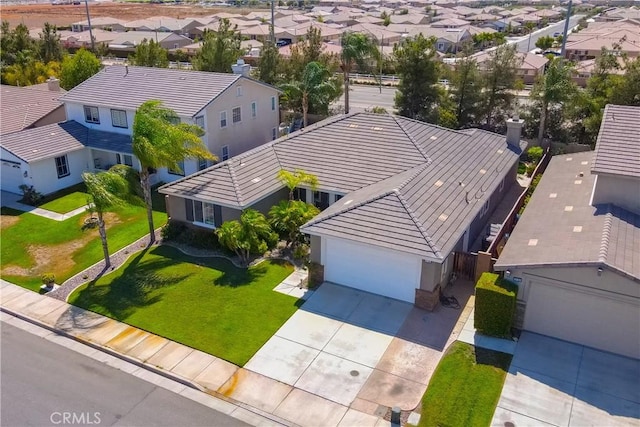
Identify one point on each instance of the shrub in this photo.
(535, 154)
(198, 238)
(531, 167)
(30, 196)
(522, 168)
(301, 252)
(495, 305)
(172, 230)
(48, 279)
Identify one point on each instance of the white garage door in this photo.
(607, 323)
(371, 269)
(11, 177)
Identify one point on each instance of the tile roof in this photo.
(180, 90)
(57, 139)
(574, 232)
(618, 144)
(402, 177)
(20, 107)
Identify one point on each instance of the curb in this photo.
(158, 371)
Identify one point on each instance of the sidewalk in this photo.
(11, 201)
(267, 401)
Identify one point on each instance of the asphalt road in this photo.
(365, 97)
(523, 42)
(42, 381)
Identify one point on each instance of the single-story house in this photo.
(30, 106)
(129, 40)
(575, 252)
(399, 196)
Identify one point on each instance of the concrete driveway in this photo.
(557, 383)
(358, 349)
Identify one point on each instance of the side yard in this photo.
(205, 303)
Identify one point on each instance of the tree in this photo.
(150, 54)
(305, 51)
(288, 216)
(220, 49)
(555, 87)
(106, 190)
(49, 45)
(499, 81)
(417, 67)
(357, 50)
(545, 43)
(27, 71)
(627, 89)
(315, 87)
(159, 142)
(252, 234)
(269, 65)
(466, 91)
(78, 68)
(15, 42)
(292, 180)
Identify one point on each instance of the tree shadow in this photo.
(234, 276)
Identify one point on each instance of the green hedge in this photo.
(495, 305)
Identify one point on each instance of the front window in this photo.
(179, 171)
(200, 121)
(91, 115)
(237, 115)
(124, 159)
(62, 166)
(202, 212)
(223, 119)
(202, 164)
(119, 119)
(321, 199)
(225, 152)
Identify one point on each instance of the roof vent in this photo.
(378, 128)
(461, 184)
(433, 137)
(353, 125)
(347, 202)
(577, 229)
(256, 180)
(533, 242)
(438, 183)
(483, 171)
(443, 217)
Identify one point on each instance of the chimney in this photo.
(241, 68)
(53, 84)
(514, 131)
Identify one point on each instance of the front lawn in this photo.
(32, 245)
(205, 303)
(465, 387)
(66, 203)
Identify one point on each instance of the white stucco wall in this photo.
(618, 190)
(44, 177)
(12, 177)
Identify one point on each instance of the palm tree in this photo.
(252, 234)
(288, 216)
(106, 190)
(554, 87)
(357, 49)
(315, 87)
(291, 180)
(159, 142)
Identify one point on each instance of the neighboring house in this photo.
(622, 38)
(53, 157)
(450, 23)
(30, 106)
(583, 70)
(399, 196)
(76, 40)
(165, 24)
(575, 252)
(129, 40)
(530, 66)
(99, 22)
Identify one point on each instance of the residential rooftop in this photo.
(21, 107)
(618, 144)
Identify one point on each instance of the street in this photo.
(523, 43)
(365, 97)
(44, 384)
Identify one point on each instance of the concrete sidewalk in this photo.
(265, 400)
(11, 200)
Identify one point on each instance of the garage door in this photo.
(600, 321)
(371, 269)
(11, 177)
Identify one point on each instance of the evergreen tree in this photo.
(499, 82)
(150, 54)
(220, 49)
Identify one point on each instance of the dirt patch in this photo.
(7, 221)
(35, 15)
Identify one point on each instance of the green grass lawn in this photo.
(66, 203)
(32, 245)
(465, 387)
(205, 303)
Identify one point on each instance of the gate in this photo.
(464, 265)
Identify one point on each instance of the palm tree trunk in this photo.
(146, 189)
(346, 91)
(103, 236)
(543, 123)
(305, 108)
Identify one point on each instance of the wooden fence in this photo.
(464, 265)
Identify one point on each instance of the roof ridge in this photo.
(350, 208)
(606, 235)
(234, 181)
(412, 139)
(418, 224)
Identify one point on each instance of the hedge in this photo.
(495, 305)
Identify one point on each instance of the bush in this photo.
(535, 154)
(30, 196)
(531, 167)
(301, 252)
(495, 305)
(198, 238)
(173, 230)
(522, 168)
(48, 279)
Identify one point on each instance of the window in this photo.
(237, 115)
(119, 119)
(202, 164)
(485, 209)
(254, 109)
(239, 91)
(203, 213)
(91, 115)
(300, 194)
(274, 133)
(225, 152)
(200, 122)
(223, 119)
(440, 46)
(321, 200)
(124, 159)
(273, 103)
(174, 120)
(62, 166)
(337, 197)
(179, 171)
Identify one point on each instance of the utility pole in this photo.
(566, 29)
(273, 20)
(381, 59)
(93, 43)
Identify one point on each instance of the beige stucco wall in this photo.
(250, 132)
(175, 208)
(429, 275)
(621, 191)
(56, 116)
(316, 249)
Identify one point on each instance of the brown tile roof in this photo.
(618, 143)
(20, 107)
